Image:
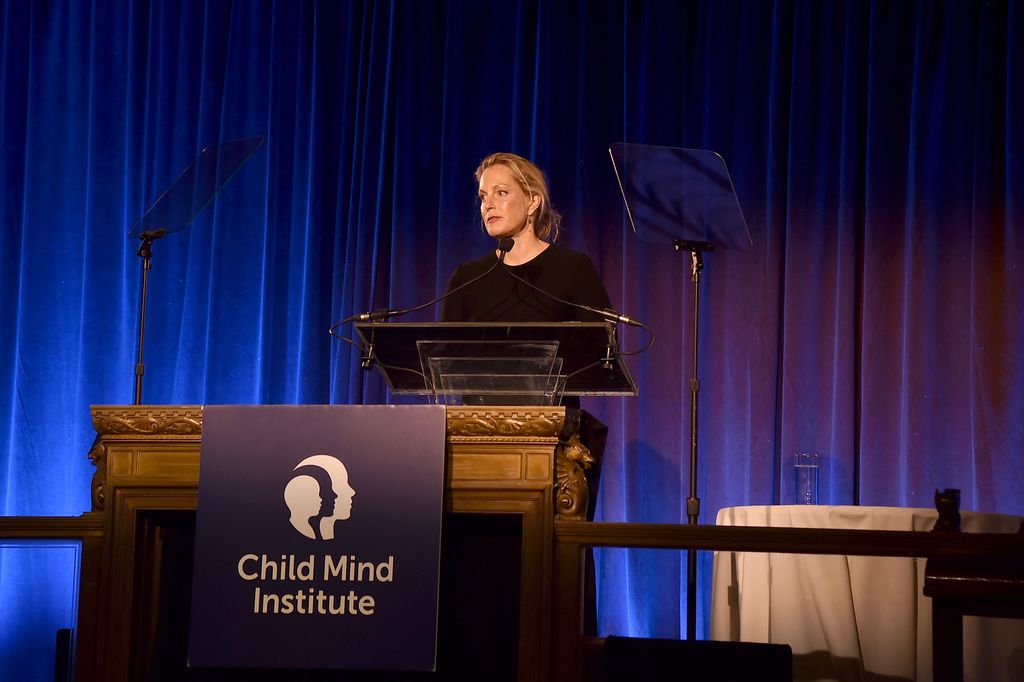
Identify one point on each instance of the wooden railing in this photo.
(571, 539)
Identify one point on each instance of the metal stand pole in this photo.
(145, 252)
(696, 250)
(693, 502)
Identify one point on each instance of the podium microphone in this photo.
(505, 245)
(610, 315)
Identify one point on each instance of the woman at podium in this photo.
(538, 281)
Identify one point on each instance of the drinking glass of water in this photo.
(806, 467)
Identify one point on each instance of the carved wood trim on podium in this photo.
(508, 460)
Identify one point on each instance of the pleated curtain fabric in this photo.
(877, 150)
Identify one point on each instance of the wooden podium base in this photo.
(509, 471)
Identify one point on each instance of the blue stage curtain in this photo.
(877, 149)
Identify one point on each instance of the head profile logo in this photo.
(318, 495)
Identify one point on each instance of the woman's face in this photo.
(504, 206)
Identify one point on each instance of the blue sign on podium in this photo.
(318, 537)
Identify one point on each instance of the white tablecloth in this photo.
(850, 617)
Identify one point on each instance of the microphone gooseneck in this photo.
(610, 315)
(505, 245)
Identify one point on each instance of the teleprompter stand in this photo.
(175, 210)
(683, 198)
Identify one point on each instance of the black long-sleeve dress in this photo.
(499, 297)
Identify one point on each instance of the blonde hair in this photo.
(532, 181)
